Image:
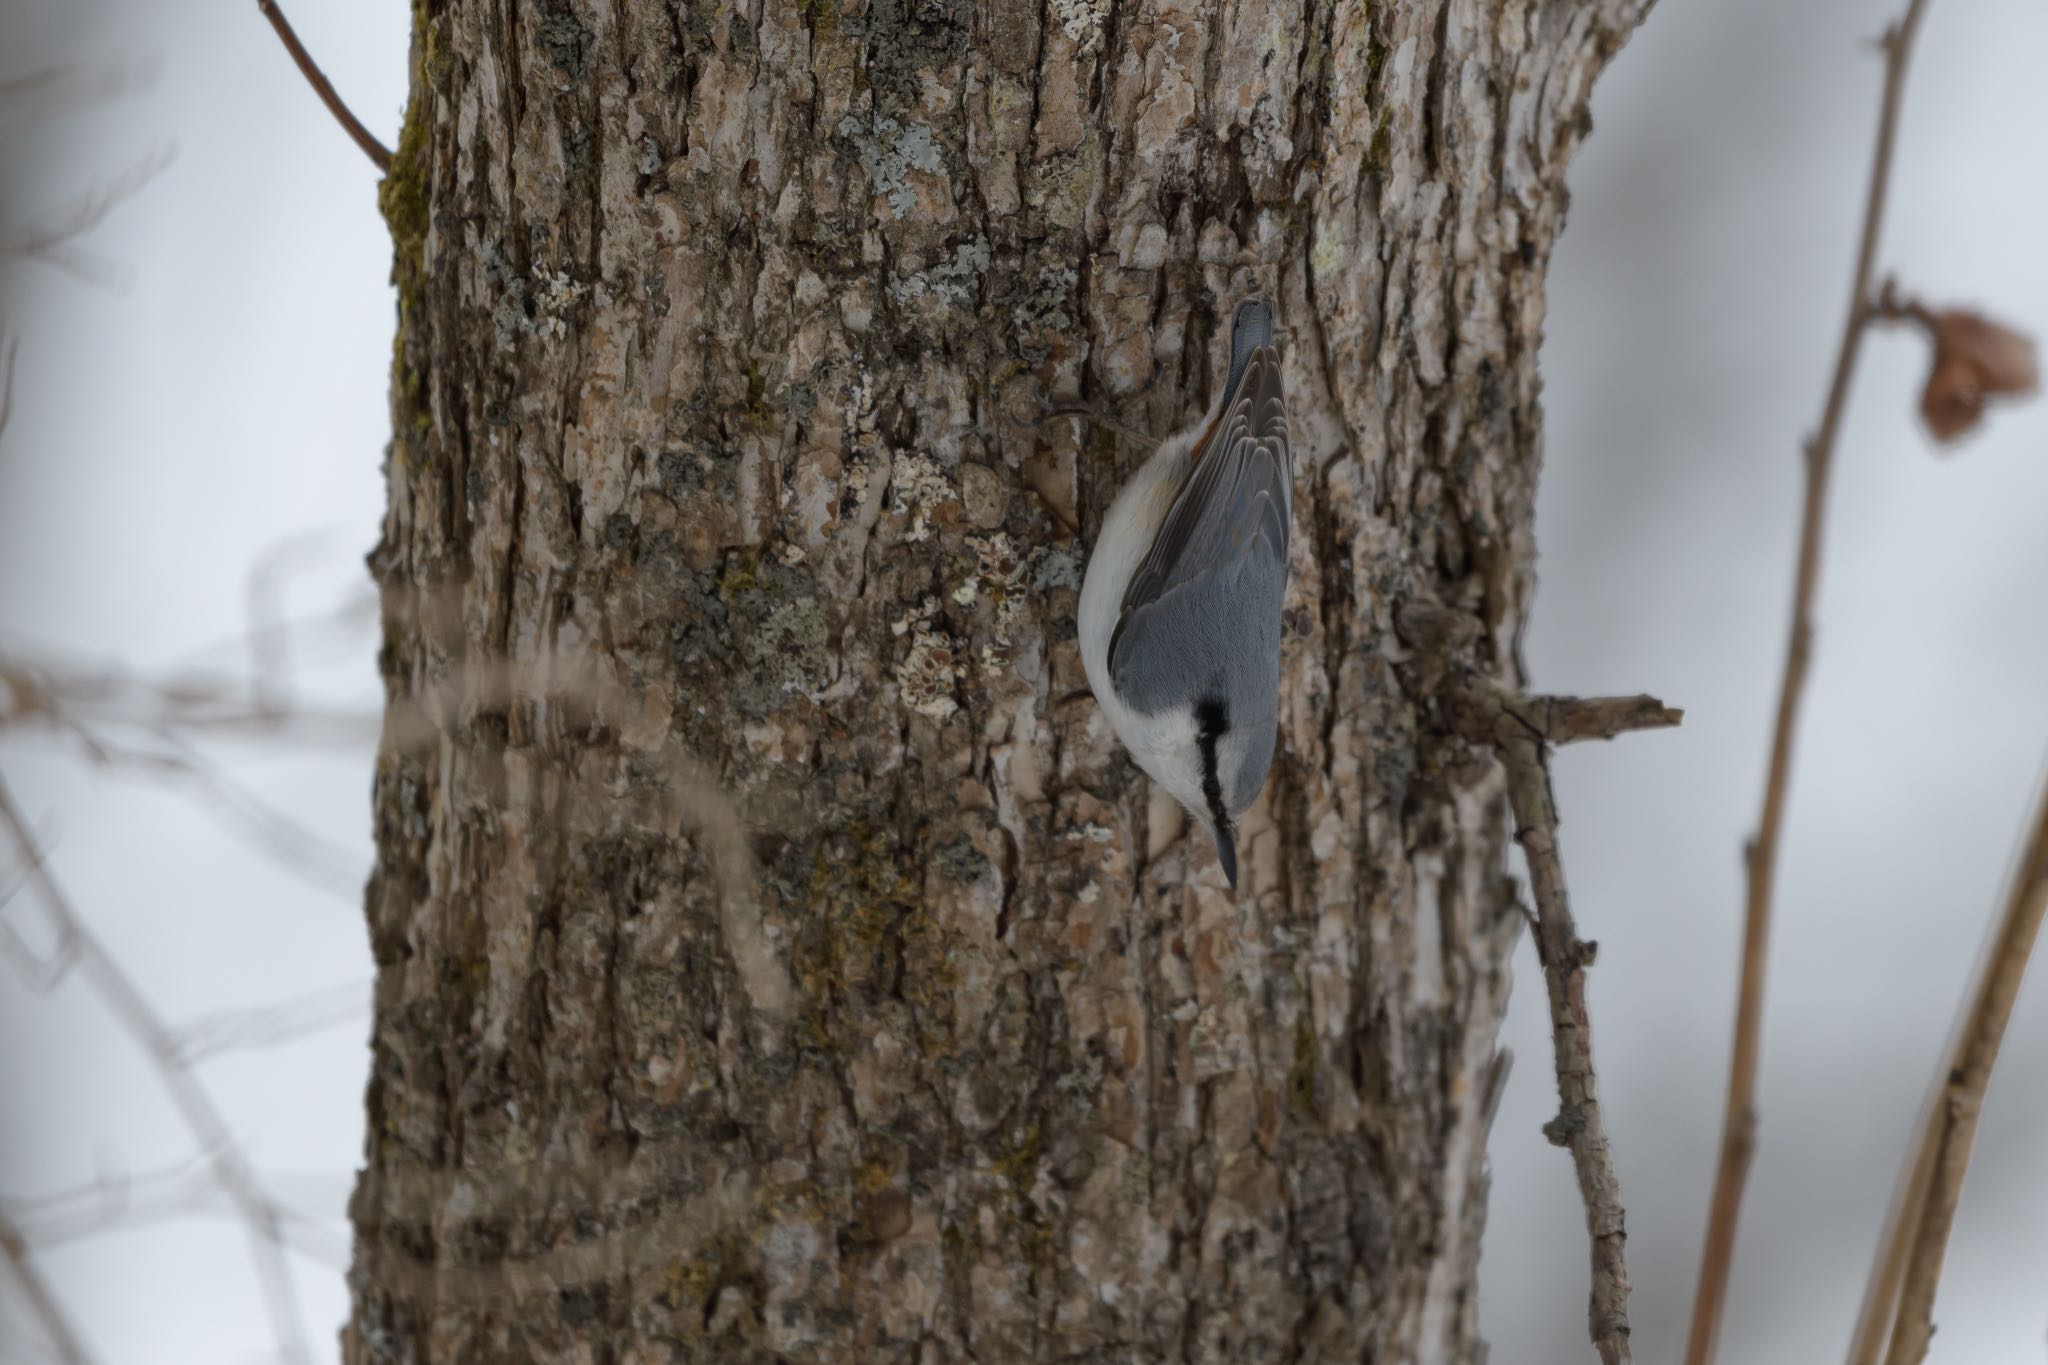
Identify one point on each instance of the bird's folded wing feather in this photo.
(1231, 513)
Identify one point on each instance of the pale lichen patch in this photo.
(1081, 21)
(1053, 568)
(919, 487)
(555, 292)
(926, 674)
(953, 282)
(889, 152)
(1045, 307)
(998, 573)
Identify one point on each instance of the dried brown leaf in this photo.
(1975, 360)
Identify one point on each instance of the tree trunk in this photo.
(777, 957)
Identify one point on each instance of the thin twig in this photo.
(1738, 1125)
(30, 98)
(99, 711)
(1892, 306)
(8, 346)
(1567, 720)
(101, 1199)
(75, 703)
(1902, 1225)
(1876, 1314)
(40, 972)
(270, 1026)
(42, 1304)
(231, 1167)
(55, 242)
(120, 1203)
(1946, 1149)
(379, 154)
(1049, 412)
(1521, 730)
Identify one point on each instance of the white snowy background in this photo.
(227, 395)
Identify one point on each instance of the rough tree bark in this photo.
(777, 959)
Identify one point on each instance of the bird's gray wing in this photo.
(1220, 553)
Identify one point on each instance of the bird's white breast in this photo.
(1161, 743)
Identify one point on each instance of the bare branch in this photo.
(96, 1199)
(55, 242)
(64, 1339)
(1945, 1146)
(379, 154)
(1874, 1317)
(195, 1105)
(1738, 1126)
(234, 1030)
(73, 706)
(1520, 730)
(337, 632)
(269, 637)
(8, 345)
(39, 971)
(1891, 305)
(119, 1202)
(25, 99)
(1566, 720)
(79, 703)
(270, 831)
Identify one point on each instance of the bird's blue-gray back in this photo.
(1201, 617)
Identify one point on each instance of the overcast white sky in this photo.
(170, 433)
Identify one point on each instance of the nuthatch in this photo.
(1180, 608)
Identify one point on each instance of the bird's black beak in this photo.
(1226, 850)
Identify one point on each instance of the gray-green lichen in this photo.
(1055, 568)
(1060, 186)
(1046, 303)
(888, 152)
(953, 282)
(779, 633)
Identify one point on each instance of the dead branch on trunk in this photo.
(1521, 731)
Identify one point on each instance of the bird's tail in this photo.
(1251, 330)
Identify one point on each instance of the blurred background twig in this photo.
(1909, 1265)
(43, 1305)
(231, 1168)
(1739, 1117)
